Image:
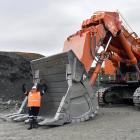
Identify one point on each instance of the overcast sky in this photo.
(41, 26)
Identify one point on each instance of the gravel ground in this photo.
(111, 123)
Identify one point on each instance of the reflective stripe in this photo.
(34, 100)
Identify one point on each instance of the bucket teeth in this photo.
(11, 117)
(15, 116)
(20, 118)
(8, 115)
(49, 122)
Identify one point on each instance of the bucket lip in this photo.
(49, 57)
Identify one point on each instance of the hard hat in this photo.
(34, 87)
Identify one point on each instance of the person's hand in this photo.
(26, 93)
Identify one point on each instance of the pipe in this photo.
(98, 65)
(95, 74)
(127, 48)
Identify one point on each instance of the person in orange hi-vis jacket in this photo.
(34, 103)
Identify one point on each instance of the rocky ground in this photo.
(15, 70)
(111, 123)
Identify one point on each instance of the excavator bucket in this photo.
(69, 96)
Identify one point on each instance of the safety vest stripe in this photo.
(34, 100)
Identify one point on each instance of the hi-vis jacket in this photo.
(34, 99)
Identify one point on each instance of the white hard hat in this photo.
(34, 87)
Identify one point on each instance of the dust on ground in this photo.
(111, 123)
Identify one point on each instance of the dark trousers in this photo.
(33, 113)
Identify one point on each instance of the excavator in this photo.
(70, 91)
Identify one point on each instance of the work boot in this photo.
(31, 124)
(35, 123)
(30, 127)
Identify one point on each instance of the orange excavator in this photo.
(70, 92)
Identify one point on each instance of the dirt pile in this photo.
(15, 70)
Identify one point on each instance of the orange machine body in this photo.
(95, 32)
(109, 68)
(80, 44)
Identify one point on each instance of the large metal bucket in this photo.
(69, 96)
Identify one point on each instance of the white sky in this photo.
(41, 26)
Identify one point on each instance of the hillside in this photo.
(15, 70)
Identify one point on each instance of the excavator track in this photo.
(136, 98)
(69, 96)
(116, 94)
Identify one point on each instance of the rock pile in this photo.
(15, 70)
